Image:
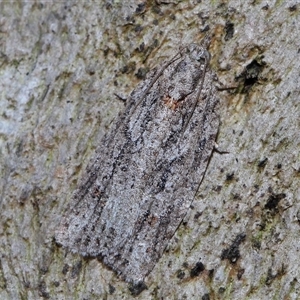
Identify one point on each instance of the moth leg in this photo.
(121, 98)
(218, 150)
(221, 86)
(226, 88)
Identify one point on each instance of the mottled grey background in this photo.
(61, 64)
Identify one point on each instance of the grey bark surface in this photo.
(62, 63)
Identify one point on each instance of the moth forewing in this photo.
(147, 170)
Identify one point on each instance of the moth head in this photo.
(198, 52)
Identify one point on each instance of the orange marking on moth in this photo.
(170, 102)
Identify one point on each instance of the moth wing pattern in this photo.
(146, 172)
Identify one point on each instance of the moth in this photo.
(147, 170)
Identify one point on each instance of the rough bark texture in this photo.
(61, 64)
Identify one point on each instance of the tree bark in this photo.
(62, 64)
